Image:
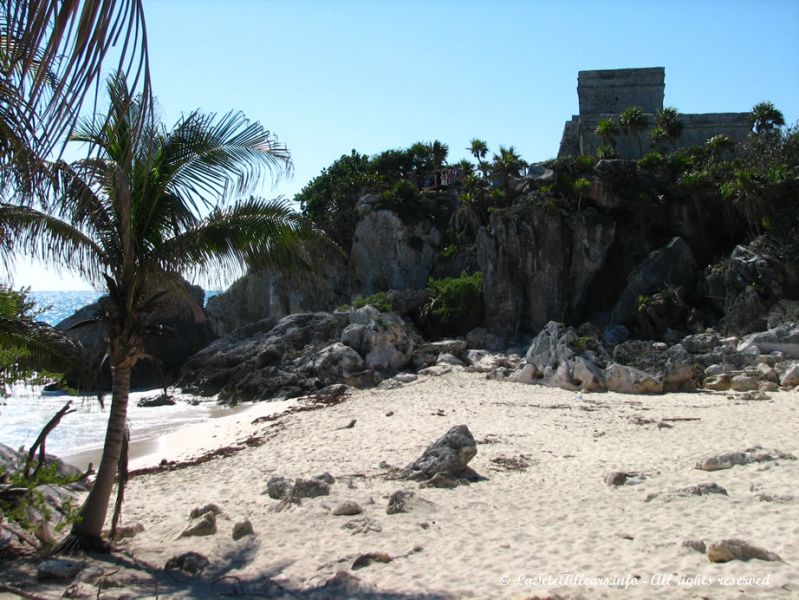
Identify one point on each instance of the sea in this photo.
(79, 437)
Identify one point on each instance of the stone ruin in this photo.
(606, 93)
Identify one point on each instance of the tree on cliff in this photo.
(667, 126)
(131, 216)
(479, 150)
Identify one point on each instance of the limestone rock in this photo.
(539, 266)
(702, 489)
(310, 488)
(784, 338)
(192, 563)
(718, 383)
(743, 383)
(390, 254)
(695, 545)
(790, 377)
(628, 380)
(278, 487)
(202, 526)
(387, 343)
(727, 460)
(735, 549)
(59, 569)
(398, 502)
(617, 478)
(347, 508)
(242, 528)
(201, 510)
(449, 455)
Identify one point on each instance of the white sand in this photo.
(556, 519)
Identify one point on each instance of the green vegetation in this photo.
(18, 508)
(455, 304)
(381, 301)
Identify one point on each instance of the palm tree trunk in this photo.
(94, 510)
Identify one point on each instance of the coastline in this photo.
(543, 514)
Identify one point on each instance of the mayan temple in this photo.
(606, 93)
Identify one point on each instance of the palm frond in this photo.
(52, 240)
(255, 232)
(205, 157)
(53, 52)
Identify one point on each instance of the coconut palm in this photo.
(479, 149)
(766, 117)
(506, 165)
(51, 54)
(132, 217)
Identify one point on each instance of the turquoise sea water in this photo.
(27, 410)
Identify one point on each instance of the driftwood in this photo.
(41, 441)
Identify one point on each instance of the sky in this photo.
(328, 77)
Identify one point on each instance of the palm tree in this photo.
(667, 126)
(632, 122)
(507, 164)
(131, 216)
(607, 129)
(439, 151)
(766, 117)
(479, 149)
(51, 55)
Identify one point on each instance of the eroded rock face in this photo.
(184, 334)
(538, 267)
(672, 265)
(390, 254)
(748, 286)
(271, 294)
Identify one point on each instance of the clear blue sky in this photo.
(328, 77)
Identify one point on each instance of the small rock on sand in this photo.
(201, 510)
(59, 569)
(364, 560)
(204, 525)
(242, 529)
(696, 545)
(188, 562)
(347, 508)
(734, 549)
(398, 502)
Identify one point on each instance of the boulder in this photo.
(387, 343)
(790, 377)
(628, 380)
(743, 383)
(717, 383)
(398, 502)
(449, 455)
(559, 357)
(784, 338)
(672, 365)
(310, 488)
(480, 337)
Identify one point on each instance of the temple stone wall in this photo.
(611, 91)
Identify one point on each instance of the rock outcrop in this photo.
(301, 354)
(183, 334)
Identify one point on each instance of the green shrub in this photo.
(455, 304)
(651, 161)
(381, 301)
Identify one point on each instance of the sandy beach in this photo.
(544, 522)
